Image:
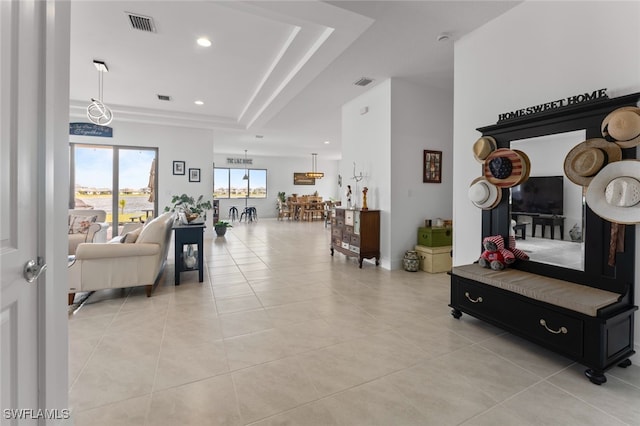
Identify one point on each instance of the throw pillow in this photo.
(131, 237)
(80, 224)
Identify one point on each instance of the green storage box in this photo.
(435, 237)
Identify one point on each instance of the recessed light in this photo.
(204, 42)
(327, 142)
(199, 103)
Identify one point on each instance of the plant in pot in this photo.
(192, 208)
(221, 227)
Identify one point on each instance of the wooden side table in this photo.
(545, 221)
(186, 235)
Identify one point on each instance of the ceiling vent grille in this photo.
(363, 81)
(164, 97)
(140, 22)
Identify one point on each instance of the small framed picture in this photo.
(178, 167)
(194, 175)
(432, 169)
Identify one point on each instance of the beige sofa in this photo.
(119, 264)
(86, 226)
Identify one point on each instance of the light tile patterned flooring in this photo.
(281, 333)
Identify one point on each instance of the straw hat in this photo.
(622, 126)
(504, 168)
(614, 193)
(484, 194)
(483, 147)
(587, 158)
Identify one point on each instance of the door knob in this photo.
(32, 269)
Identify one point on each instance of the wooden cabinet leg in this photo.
(456, 313)
(331, 251)
(71, 297)
(596, 377)
(361, 263)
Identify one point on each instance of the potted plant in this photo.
(193, 208)
(221, 227)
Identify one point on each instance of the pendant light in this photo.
(97, 112)
(314, 173)
(246, 171)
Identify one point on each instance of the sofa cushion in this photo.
(79, 224)
(132, 236)
(154, 231)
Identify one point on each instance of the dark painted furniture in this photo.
(186, 235)
(605, 340)
(545, 221)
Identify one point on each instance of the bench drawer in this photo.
(554, 329)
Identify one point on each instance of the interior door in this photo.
(20, 95)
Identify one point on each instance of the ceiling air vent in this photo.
(363, 81)
(164, 97)
(140, 22)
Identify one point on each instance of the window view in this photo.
(133, 197)
(231, 183)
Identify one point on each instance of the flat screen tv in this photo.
(539, 195)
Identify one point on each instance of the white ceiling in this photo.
(277, 69)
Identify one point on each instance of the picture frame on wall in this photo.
(194, 175)
(178, 167)
(432, 166)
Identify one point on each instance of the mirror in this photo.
(549, 209)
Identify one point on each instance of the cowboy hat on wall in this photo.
(614, 193)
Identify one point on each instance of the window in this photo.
(230, 183)
(118, 179)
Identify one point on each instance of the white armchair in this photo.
(118, 264)
(86, 226)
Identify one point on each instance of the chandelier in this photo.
(314, 173)
(97, 112)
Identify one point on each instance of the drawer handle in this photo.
(562, 330)
(478, 300)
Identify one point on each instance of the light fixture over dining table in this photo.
(314, 173)
(246, 171)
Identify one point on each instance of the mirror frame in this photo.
(596, 273)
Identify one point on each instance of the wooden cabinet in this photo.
(356, 233)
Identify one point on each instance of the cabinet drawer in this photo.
(337, 232)
(546, 326)
(355, 240)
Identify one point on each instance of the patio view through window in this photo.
(229, 183)
(119, 180)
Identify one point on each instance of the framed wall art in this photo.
(432, 167)
(194, 175)
(178, 167)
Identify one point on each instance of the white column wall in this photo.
(421, 118)
(387, 143)
(535, 53)
(366, 140)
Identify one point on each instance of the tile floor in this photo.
(281, 333)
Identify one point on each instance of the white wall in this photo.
(535, 53)
(387, 144)
(421, 118)
(193, 146)
(280, 172)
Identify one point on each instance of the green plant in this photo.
(189, 205)
(281, 196)
(223, 224)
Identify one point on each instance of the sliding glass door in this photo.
(120, 180)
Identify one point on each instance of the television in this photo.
(539, 195)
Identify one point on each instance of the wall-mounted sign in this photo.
(90, 129)
(239, 160)
(564, 102)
